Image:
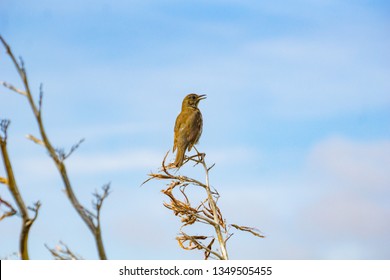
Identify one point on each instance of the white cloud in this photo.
(77, 7)
(118, 161)
(330, 71)
(326, 70)
(348, 216)
(357, 165)
(345, 214)
(41, 166)
(232, 155)
(93, 132)
(322, 75)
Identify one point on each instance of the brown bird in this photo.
(188, 127)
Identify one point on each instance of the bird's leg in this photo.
(201, 156)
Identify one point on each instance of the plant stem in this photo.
(213, 206)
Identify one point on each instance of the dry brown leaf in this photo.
(208, 251)
(254, 231)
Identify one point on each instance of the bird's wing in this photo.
(195, 130)
(179, 127)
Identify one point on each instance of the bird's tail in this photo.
(179, 157)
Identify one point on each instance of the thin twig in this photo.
(11, 210)
(40, 99)
(11, 87)
(35, 140)
(62, 252)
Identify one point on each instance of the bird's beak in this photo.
(202, 96)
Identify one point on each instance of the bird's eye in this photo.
(193, 97)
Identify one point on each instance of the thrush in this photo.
(188, 127)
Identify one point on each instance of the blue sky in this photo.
(297, 121)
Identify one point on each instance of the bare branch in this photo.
(62, 252)
(12, 256)
(208, 169)
(35, 208)
(4, 124)
(62, 155)
(19, 68)
(35, 140)
(21, 64)
(14, 189)
(74, 148)
(40, 99)
(99, 199)
(10, 212)
(13, 88)
(58, 155)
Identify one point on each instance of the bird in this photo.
(188, 127)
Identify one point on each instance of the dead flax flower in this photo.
(180, 208)
(195, 242)
(180, 205)
(206, 211)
